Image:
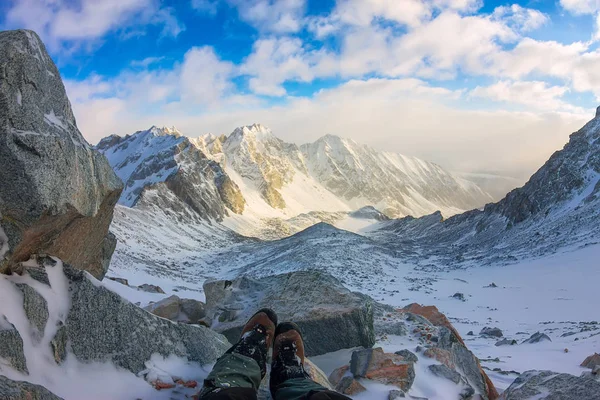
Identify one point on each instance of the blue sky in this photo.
(473, 85)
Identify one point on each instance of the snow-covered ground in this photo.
(555, 295)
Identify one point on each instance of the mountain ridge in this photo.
(259, 176)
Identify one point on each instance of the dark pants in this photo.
(237, 377)
(250, 394)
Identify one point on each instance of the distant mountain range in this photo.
(253, 175)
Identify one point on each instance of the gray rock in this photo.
(459, 296)
(17, 390)
(168, 308)
(36, 310)
(194, 310)
(408, 355)
(396, 394)
(101, 326)
(468, 364)
(11, 348)
(316, 301)
(177, 309)
(151, 288)
(537, 337)
(470, 333)
(506, 342)
(58, 194)
(122, 281)
(550, 385)
(467, 393)
(492, 332)
(444, 372)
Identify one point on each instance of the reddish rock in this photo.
(349, 386)
(434, 316)
(400, 375)
(440, 355)
(438, 319)
(382, 367)
(190, 384)
(591, 361)
(158, 385)
(336, 376)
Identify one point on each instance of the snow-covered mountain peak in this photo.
(255, 131)
(156, 131)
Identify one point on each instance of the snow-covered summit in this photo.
(162, 156)
(276, 179)
(397, 184)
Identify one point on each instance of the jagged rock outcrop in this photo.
(316, 301)
(57, 194)
(548, 385)
(94, 324)
(558, 207)
(163, 157)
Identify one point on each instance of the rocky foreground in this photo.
(63, 334)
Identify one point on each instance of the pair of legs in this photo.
(238, 373)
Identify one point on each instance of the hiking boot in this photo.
(257, 338)
(288, 355)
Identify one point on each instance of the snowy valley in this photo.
(223, 223)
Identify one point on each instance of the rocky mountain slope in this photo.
(393, 183)
(559, 207)
(162, 157)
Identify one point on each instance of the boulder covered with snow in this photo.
(552, 385)
(63, 315)
(316, 301)
(58, 194)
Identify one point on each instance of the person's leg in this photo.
(289, 380)
(244, 365)
(327, 395)
(236, 393)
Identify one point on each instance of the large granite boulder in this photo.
(331, 317)
(57, 194)
(16, 390)
(548, 385)
(97, 325)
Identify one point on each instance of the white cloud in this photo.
(146, 62)
(60, 21)
(581, 6)
(520, 18)
(206, 6)
(205, 79)
(277, 60)
(279, 16)
(534, 94)
(407, 116)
